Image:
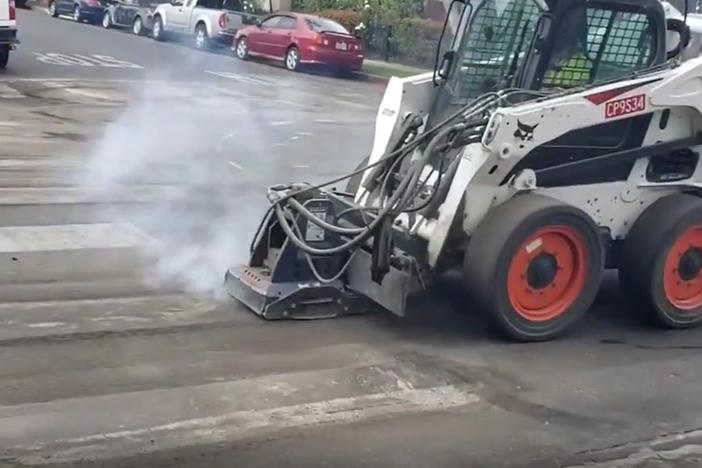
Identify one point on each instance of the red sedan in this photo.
(298, 39)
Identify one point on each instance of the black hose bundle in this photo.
(392, 201)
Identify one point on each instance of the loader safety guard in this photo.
(280, 281)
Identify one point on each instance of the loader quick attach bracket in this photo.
(281, 281)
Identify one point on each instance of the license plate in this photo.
(341, 46)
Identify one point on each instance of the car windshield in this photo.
(326, 25)
(245, 6)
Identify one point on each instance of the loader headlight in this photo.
(492, 128)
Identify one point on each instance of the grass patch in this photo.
(389, 70)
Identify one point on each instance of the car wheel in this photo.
(202, 40)
(76, 13)
(52, 9)
(4, 58)
(106, 20)
(242, 48)
(157, 31)
(138, 26)
(292, 58)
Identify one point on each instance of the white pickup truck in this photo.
(8, 30)
(208, 22)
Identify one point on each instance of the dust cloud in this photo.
(204, 152)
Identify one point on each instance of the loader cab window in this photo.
(597, 44)
(499, 31)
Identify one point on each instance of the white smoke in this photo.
(208, 148)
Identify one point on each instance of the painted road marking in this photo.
(88, 93)
(233, 164)
(281, 122)
(245, 79)
(107, 61)
(345, 102)
(15, 239)
(7, 92)
(152, 420)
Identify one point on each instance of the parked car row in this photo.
(292, 38)
(8, 30)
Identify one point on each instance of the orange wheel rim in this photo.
(682, 274)
(547, 273)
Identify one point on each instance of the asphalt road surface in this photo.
(126, 192)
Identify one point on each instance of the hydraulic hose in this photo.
(320, 222)
(401, 197)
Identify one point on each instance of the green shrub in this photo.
(415, 40)
(347, 18)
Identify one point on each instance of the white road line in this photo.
(295, 137)
(232, 163)
(238, 425)
(300, 166)
(219, 147)
(324, 121)
(231, 92)
(281, 122)
(7, 92)
(303, 134)
(289, 103)
(55, 84)
(279, 144)
(87, 93)
(352, 104)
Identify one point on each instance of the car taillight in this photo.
(13, 11)
(321, 40)
(222, 21)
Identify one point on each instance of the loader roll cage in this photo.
(504, 44)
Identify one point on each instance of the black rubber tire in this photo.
(106, 20)
(242, 41)
(495, 242)
(138, 30)
(355, 181)
(206, 44)
(53, 13)
(157, 32)
(4, 57)
(288, 58)
(643, 256)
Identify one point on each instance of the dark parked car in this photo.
(134, 14)
(79, 10)
(297, 38)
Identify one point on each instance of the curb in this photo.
(369, 77)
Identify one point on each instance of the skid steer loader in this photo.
(554, 139)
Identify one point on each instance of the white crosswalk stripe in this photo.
(72, 268)
(8, 92)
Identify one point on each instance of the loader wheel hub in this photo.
(682, 275)
(547, 273)
(542, 271)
